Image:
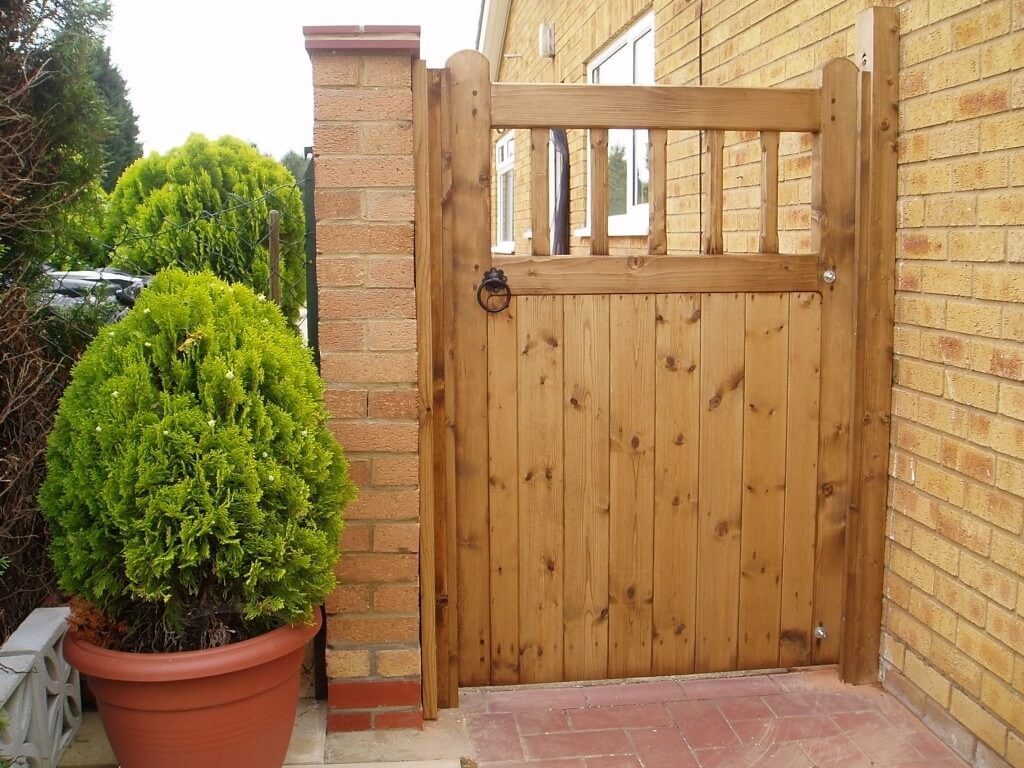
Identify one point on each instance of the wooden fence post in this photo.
(878, 58)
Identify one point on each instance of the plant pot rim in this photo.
(138, 667)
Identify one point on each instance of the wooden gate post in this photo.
(878, 57)
(363, 144)
(466, 248)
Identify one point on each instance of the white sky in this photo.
(239, 66)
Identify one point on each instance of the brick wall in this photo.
(953, 642)
(364, 208)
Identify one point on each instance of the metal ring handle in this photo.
(496, 286)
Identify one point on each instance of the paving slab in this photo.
(444, 739)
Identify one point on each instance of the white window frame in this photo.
(636, 220)
(504, 162)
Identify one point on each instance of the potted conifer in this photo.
(195, 498)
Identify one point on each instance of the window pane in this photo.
(617, 69)
(619, 148)
(641, 168)
(643, 59)
(506, 206)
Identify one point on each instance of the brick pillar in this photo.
(363, 145)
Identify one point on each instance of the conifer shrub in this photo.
(193, 491)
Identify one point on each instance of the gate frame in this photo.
(863, 247)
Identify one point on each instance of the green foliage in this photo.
(73, 238)
(55, 122)
(159, 216)
(190, 470)
(296, 165)
(121, 147)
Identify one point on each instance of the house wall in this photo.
(953, 634)
(363, 146)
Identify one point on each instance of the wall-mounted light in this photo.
(546, 41)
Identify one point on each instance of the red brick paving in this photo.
(795, 720)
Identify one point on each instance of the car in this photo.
(106, 287)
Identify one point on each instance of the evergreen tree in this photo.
(205, 205)
(296, 164)
(121, 147)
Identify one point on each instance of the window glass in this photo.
(505, 164)
(616, 69)
(628, 61)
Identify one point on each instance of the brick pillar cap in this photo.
(394, 40)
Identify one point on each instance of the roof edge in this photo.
(490, 37)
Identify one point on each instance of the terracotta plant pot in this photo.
(224, 707)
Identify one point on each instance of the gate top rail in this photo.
(669, 107)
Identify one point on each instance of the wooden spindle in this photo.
(713, 202)
(657, 143)
(540, 213)
(599, 191)
(769, 192)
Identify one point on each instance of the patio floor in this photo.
(791, 720)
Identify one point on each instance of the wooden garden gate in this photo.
(641, 466)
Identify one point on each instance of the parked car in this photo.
(113, 287)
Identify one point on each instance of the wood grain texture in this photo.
(503, 477)
(444, 534)
(833, 219)
(721, 468)
(541, 520)
(470, 242)
(795, 636)
(713, 241)
(769, 238)
(585, 403)
(878, 49)
(540, 213)
(574, 275)
(631, 484)
(675, 108)
(765, 389)
(428, 334)
(676, 481)
(657, 240)
(599, 191)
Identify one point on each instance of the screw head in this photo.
(820, 633)
(829, 276)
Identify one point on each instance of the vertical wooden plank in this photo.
(795, 635)
(444, 538)
(833, 217)
(714, 192)
(599, 191)
(503, 463)
(539, 331)
(657, 240)
(878, 52)
(769, 241)
(540, 213)
(677, 437)
(586, 487)
(426, 343)
(470, 246)
(765, 390)
(631, 478)
(721, 470)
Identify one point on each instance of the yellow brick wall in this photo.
(953, 634)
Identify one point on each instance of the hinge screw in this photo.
(829, 276)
